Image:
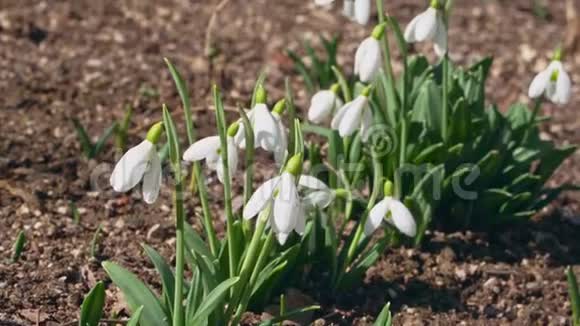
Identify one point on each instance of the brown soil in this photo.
(88, 59)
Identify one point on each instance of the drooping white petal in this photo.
(351, 120)
(240, 137)
(539, 84)
(152, 179)
(563, 87)
(300, 220)
(282, 237)
(401, 217)
(323, 3)
(411, 28)
(320, 198)
(368, 59)
(426, 26)
(282, 146)
(362, 11)
(266, 133)
(440, 38)
(286, 204)
(321, 106)
(202, 148)
(311, 182)
(348, 9)
(376, 216)
(335, 123)
(366, 123)
(232, 161)
(131, 167)
(260, 198)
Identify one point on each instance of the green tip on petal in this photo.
(437, 4)
(233, 129)
(341, 193)
(558, 54)
(155, 132)
(367, 91)
(379, 31)
(261, 95)
(554, 75)
(280, 107)
(335, 88)
(294, 165)
(388, 188)
(409, 203)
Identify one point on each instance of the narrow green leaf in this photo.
(574, 295)
(346, 94)
(100, 144)
(167, 278)
(76, 216)
(185, 101)
(134, 320)
(259, 82)
(385, 318)
(172, 138)
(213, 300)
(92, 306)
(137, 294)
(302, 70)
(83, 137)
(289, 315)
(95, 241)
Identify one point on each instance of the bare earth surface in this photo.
(89, 59)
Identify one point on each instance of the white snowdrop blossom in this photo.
(281, 149)
(208, 149)
(353, 116)
(288, 213)
(429, 26)
(362, 11)
(140, 163)
(367, 59)
(348, 9)
(323, 3)
(395, 213)
(266, 131)
(553, 82)
(318, 194)
(323, 104)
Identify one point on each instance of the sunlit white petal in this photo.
(401, 217)
(427, 25)
(260, 198)
(152, 179)
(362, 11)
(376, 216)
(368, 59)
(202, 148)
(265, 127)
(286, 204)
(131, 167)
(321, 106)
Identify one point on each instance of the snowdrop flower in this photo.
(348, 9)
(394, 212)
(553, 82)
(281, 149)
(353, 116)
(288, 212)
(362, 11)
(266, 129)
(367, 60)
(429, 25)
(208, 149)
(323, 3)
(323, 104)
(140, 163)
(318, 194)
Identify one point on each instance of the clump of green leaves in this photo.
(90, 149)
(317, 70)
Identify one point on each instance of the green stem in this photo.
(262, 259)
(207, 219)
(249, 261)
(445, 98)
(220, 117)
(180, 248)
(574, 296)
(403, 118)
(352, 249)
(386, 49)
(532, 122)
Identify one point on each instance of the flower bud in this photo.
(155, 132)
(294, 165)
(367, 91)
(379, 31)
(335, 88)
(233, 129)
(388, 188)
(280, 107)
(261, 95)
